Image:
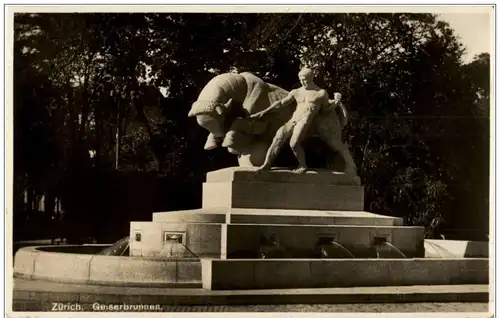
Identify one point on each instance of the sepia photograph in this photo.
(285, 159)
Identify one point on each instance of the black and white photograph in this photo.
(243, 159)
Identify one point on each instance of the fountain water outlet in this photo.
(379, 241)
(270, 247)
(325, 242)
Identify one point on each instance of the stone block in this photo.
(206, 274)
(349, 272)
(357, 239)
(277, 274)
(127, 271)
(150, 244)
(217, 195)
(241, 240)
(24, 261)
(310, 217)
(298, 196)
(62, 267)
(109, 270)
(188, 272)
(411, 242)
(229, 274)
(202, 239)
(199, 232)
(315, 273)
(121, 270)
(421, 271)
(472, 271)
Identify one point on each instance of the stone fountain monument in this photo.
(268, 227)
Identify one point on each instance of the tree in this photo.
(87, 86)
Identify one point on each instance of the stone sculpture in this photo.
(253, 119)
(310, 100)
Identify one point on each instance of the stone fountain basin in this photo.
(456, 248)
(328, 273)
(80, 264)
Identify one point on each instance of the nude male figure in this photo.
(310, 99)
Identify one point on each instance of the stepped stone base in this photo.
(241, 240)
(276, 216)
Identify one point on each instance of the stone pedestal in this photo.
(278, 214)
(282, 189)
(246, 214)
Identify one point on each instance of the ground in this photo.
(402, 307)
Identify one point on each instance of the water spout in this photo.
(179, 250)
(271, 248)
(377, 251)
(127, 249)
(395, 248)
(342, 247)
(437, 247)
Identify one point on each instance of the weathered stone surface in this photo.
(269, 195)
(239, 187)
(302, 239)
(62, 266)
(106, 270)
(200, 239)
(314, 273)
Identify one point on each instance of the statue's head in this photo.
(210, 115)
(337, 97)
(306, 77)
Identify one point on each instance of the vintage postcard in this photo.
(278, 158)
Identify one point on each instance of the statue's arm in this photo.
(325, 99)
(343, 114)
(289, 99)
(333, 104)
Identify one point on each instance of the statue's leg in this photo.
(335, 143)
(283, 133)
(254, 155)
(299, 133)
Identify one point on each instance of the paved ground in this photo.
(402, 307)
(41, 296)
(42, 286)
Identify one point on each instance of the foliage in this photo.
(81, 80)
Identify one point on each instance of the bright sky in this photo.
(475, 31)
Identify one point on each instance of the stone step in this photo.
(239, 239)
(302, 240)
(277, 216)
(41, 295)
(324, 273)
